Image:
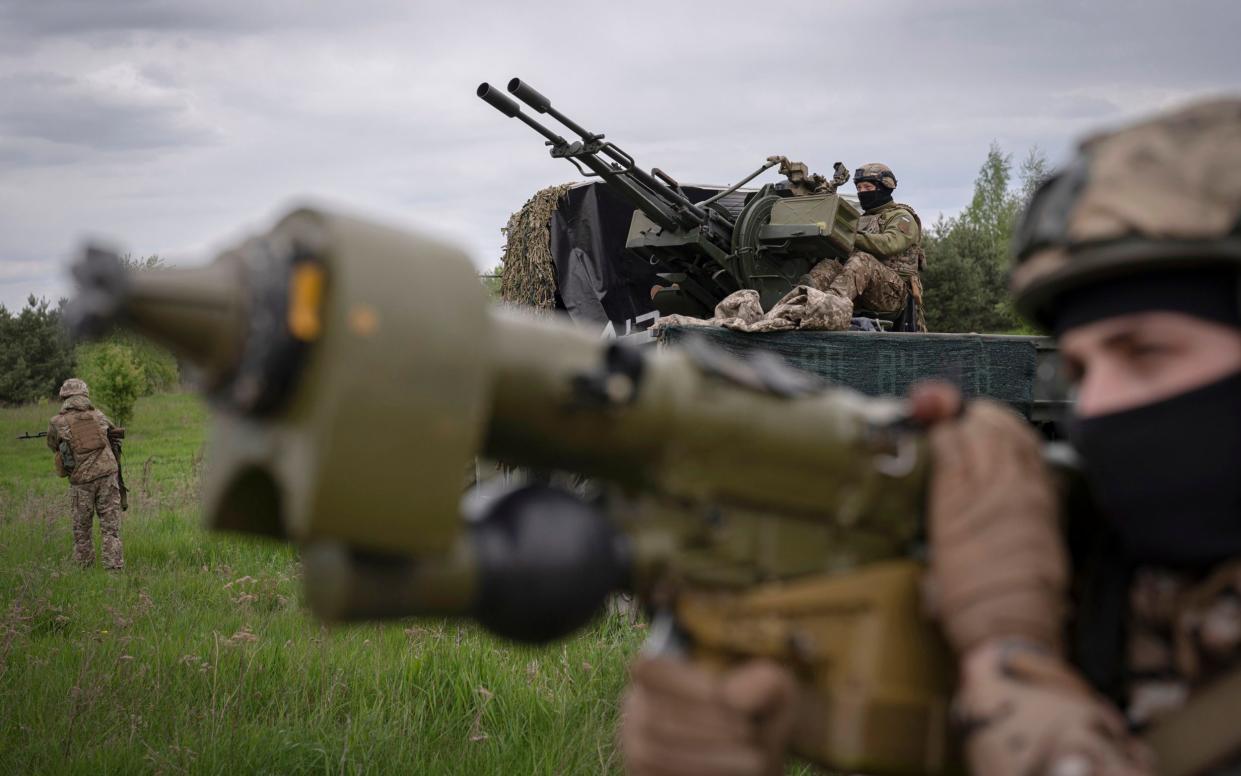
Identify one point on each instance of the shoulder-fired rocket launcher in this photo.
(356, 370)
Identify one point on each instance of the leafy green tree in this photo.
(957, 287)
(115, 378)
(1034, 170)
(491, 281)
(965, 285)
(993, 208)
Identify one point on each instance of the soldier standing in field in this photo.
(78, 435)
(1109, 645)
(883, 272)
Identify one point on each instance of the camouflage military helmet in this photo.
(878, 174)
(1163, 194)
(74, 387)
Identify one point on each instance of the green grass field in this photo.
(199, 658)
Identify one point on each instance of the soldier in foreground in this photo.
(1132, 257)
(79, 437)
(883, 272)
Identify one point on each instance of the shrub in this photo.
(115, 377)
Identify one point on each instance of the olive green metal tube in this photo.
(684, 431)
(196, 311)
(344, 585)
(389, 384)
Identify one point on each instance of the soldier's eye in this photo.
(1148, 351)
(1071, 370)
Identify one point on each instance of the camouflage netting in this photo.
(529, 276)
(1002, 368)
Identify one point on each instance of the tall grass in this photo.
(198, 657)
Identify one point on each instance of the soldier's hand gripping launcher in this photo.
(356, 370)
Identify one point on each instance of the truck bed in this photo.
(1019, 371)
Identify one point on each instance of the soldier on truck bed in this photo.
(883, 273)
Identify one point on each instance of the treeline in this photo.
(36, 356)
(968, 257)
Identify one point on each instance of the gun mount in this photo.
(705, 250)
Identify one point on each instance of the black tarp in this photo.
(600, 284)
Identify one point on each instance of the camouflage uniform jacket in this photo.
(85, 430)
(1184, 632)
(892, 233)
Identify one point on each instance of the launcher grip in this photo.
(876, 676)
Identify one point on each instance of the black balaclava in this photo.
(870, 200)
(1167, 472)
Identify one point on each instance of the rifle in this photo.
(709, 249)
(115, 435)
(753, 509)
(28, 435)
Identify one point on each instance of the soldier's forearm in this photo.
(884, 244)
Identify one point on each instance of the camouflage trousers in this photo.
(103, 496)
(867, 282)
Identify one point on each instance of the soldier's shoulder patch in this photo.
(903, 221)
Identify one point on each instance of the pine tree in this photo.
(35, 354)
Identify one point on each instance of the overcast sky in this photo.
(175, 128)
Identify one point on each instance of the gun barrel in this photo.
(503, 103)
(664, 204)
(527, 94)
(498, 100)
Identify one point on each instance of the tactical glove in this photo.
(680, 719)
(998, 565)
(997, 583)
(1026, 713)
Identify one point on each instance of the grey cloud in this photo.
(18, 153)
(45, 112)
(128, 19)
(13, 271)
(233, 105)
(1081, 106)
(70, 17)
(47, 285)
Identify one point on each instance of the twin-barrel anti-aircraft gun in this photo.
(355, 370)
(707, 249)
